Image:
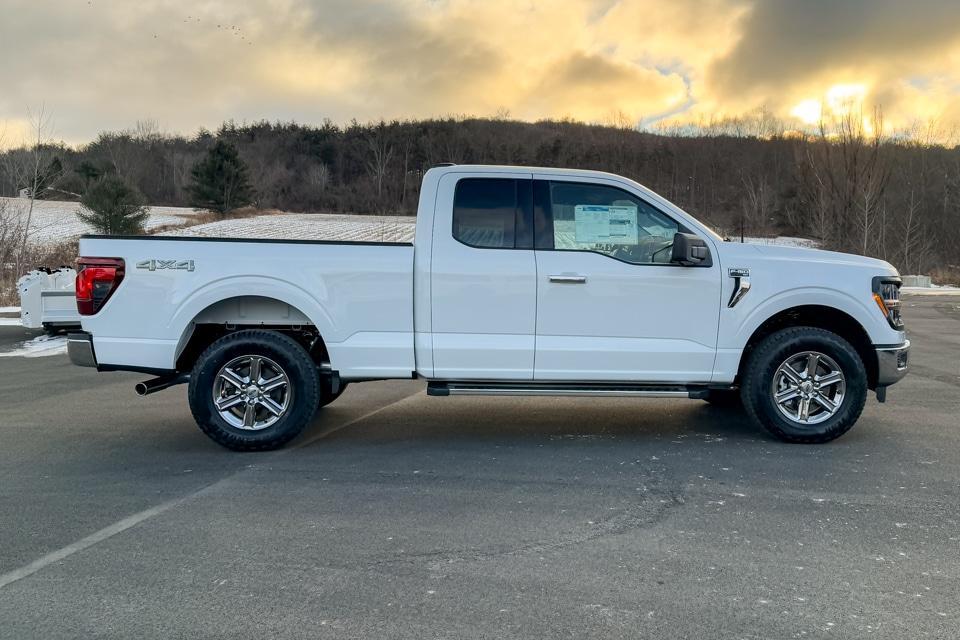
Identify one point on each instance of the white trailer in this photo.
(47, 299)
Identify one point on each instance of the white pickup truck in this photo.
(520, 281)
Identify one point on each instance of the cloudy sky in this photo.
(105, 64)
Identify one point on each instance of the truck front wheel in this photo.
(804, 384)
(254, 390)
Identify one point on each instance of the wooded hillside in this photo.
(898, 199)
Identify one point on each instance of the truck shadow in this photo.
(524, 419)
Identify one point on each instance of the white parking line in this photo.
(89, 541)
(332, 430)
(131, 521)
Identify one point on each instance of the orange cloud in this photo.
(106, 64)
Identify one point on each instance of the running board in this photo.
(565, 389)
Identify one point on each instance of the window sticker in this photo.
(605, 224)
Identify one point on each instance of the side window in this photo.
(493, 213)
(607, 220)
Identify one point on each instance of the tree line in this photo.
(845, 184)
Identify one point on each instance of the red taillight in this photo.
(97, 279)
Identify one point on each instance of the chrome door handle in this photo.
(569, 279)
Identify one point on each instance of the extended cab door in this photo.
(611, 306)
(483, 277)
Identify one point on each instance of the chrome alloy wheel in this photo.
(808, 387)
(252, 392)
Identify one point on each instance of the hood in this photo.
(774, 253)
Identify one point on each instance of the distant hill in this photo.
(894, 199)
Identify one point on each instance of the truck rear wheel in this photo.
(254, 390)
(805, 384)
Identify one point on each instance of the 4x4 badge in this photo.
(156, 265)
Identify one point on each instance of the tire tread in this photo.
(292, 349)
(755, 383)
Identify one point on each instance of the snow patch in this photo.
(10, 322)
(9, 309)
(934, 290)
(39, 347)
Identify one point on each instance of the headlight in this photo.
(886, 293)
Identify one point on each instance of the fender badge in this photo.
(741, 285)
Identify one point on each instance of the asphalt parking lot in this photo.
(402, 516)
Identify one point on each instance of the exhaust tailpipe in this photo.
(147, 387)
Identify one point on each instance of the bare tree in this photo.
(915, 241)
(31, 172)
(381, 152)
(756, 204)
(849, 171)
(318, 176)
(12, 232)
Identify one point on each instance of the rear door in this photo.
(483, 277)
(610, 304)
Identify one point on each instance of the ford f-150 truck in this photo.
(519, 281)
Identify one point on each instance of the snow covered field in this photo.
(783, 241)
(318, 226)
(56, 221)
(307, 226)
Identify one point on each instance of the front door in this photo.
(483, 277)
(610, 305)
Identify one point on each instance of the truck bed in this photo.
(359, 295)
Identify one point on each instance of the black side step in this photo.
(611, 389)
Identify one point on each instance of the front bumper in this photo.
(892, 363)
(80, 349)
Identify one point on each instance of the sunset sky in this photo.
(104, 64)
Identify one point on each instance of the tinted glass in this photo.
(593, 217)
(486, 212)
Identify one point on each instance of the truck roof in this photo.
(503, 168)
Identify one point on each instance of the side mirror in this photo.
(690, 250)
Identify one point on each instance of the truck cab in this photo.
(519, 281)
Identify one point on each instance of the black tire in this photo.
(303, 385)
(763, 364)
(727, 398)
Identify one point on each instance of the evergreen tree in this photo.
(89, 172)
(220, 180)
(114, 208)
